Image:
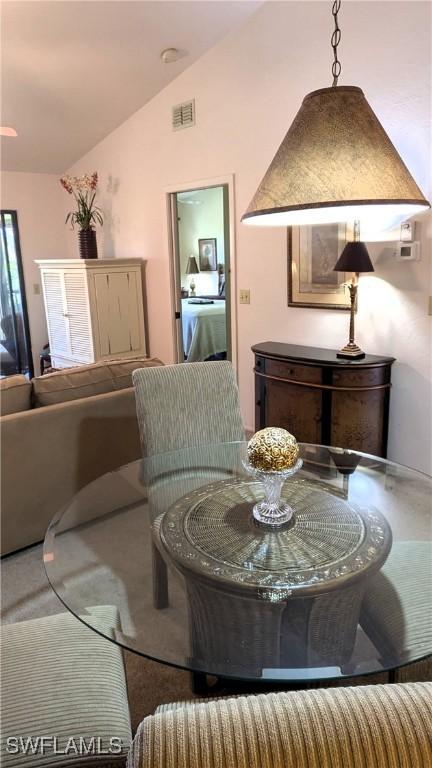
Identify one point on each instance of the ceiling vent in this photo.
(183, 115)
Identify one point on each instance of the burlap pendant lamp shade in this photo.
(336, 163)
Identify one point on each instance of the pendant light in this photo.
(335, 164)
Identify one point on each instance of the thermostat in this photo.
(408, 251)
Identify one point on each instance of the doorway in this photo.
(15, 347)
(201, 249)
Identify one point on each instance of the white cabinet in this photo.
(94, 309)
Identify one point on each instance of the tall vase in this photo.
(87, 244)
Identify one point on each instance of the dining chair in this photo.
(189, 405)
(61, 681)
(399, 621)
(366, 726)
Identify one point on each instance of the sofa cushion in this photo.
(87, 380)
(15, 392)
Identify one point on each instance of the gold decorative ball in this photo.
(272, 449)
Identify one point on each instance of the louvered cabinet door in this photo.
(78, 315)
(55, 312)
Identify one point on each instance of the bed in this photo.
(204, 329)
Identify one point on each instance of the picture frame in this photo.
(312, 253)
(207, 254)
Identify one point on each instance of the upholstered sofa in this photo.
(59, 432)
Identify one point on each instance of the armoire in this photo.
(94, 309)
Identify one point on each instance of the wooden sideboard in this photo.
(321, 398)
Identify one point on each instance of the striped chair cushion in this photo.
(60, 679)
(399, 621)
(376, 726)
(187, 405)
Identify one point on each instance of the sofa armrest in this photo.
(361, 727)
(50, 453)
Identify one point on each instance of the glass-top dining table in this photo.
(172, 544)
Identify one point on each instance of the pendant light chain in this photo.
(335, 40)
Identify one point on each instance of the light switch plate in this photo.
(244, 296)
(36, 289)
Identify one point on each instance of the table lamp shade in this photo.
(354, 258)
(192, 266)
(336, 163)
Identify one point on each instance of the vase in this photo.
(87, 244)
(273, 511)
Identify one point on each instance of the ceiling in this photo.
(74, 71)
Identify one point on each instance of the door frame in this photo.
(215, 181)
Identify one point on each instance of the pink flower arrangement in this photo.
(83, 188)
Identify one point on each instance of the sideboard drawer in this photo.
(286, 370)
(361, 377)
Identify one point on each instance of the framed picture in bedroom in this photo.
(207, 254)
(312, 253)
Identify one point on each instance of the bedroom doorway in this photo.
(201, 249)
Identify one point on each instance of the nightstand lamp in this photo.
(354, 258)
(192, 269)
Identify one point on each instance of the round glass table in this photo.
(342, 589)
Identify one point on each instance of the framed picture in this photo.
(312, 254)
(207, 253)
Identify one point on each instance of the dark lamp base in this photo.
(351, 352)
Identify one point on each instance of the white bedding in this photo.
(204, 329)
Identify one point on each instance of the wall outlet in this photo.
(244, 296)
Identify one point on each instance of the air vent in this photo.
(183, 115)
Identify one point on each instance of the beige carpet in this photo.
(26, 594)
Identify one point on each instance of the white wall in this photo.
(247, 91)
(203, 218)
(38, 199)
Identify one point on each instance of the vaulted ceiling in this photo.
(74, 71)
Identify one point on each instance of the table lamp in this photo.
(192, 269)
(354, 258)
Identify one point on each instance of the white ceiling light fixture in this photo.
(7, 131)
(336, 164)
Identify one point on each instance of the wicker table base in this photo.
(276, 597)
